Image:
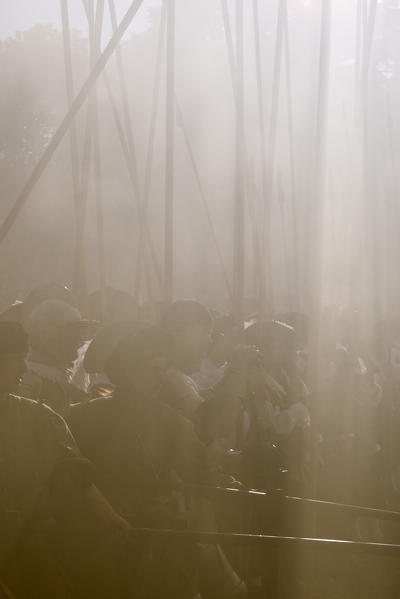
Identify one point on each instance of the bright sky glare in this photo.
(18, 15)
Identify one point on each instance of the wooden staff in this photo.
(229, 44)
(320, 142)
(239, 196)
(250, 194)
(265, 261)
(358, 54)
(169, 154)
(204, 201)
(128, 162)
(124, 94)
(369, 35)
(273, 123)
(150, 144)
(79, 283)
(78, 258)
(288, 277)
(66, 122)
(315, 212)
(366, 182)
(144, 234)
(256, 242)
(70, 96)
(293, 182)
(95, 52)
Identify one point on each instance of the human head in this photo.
(21, 310)
(57, 331)
(106, 340)
(13, 350)
(275, 339)
(112, 305)
(226, 335)
(138, 361)
(188, 324)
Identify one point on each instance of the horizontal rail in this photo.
(266, 541)
(278, 497)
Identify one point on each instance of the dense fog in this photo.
(319, 168)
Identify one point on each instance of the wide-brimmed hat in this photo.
(52, 314)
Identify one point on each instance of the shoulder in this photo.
(31, 384)
(97, 405)
(32, 407)
(44, 422)
(182, 392)
(91, 415)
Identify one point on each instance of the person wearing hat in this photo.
(47, 493)
(214, 412)
(56, 332)
(134, 434)
(226, 336)
(279, 414)
(141, 449)
(20, 310)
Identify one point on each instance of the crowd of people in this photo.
(119, 421)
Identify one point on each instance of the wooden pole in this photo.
(79, 285)
(204, 201)
(239, 196)
(293, 181)
(273, 124)
(357, 60)
(288, 273)
(150, 146)
(315, 214)
(143, 228)
(251, 194)
(124, 94)
(128, 162)
(265, 261)
(95, 53)
(367, 196)
(66, 122)
(79, 282)
(229, 44)
(70, 96)
(169, 154)
(78, 259)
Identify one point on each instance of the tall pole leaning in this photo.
(293, 180)
(78, 259)
(142, 255)
(315, 223)
(67, 120)
(265, 261)
(169, 156)
(144, 233)
(95, 53)
(239, 192)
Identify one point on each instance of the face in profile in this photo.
(194, 341)
(69, 340)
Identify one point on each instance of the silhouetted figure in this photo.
(56, 332)
(49, 507)
(140, 447)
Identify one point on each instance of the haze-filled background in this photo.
(344, 236)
